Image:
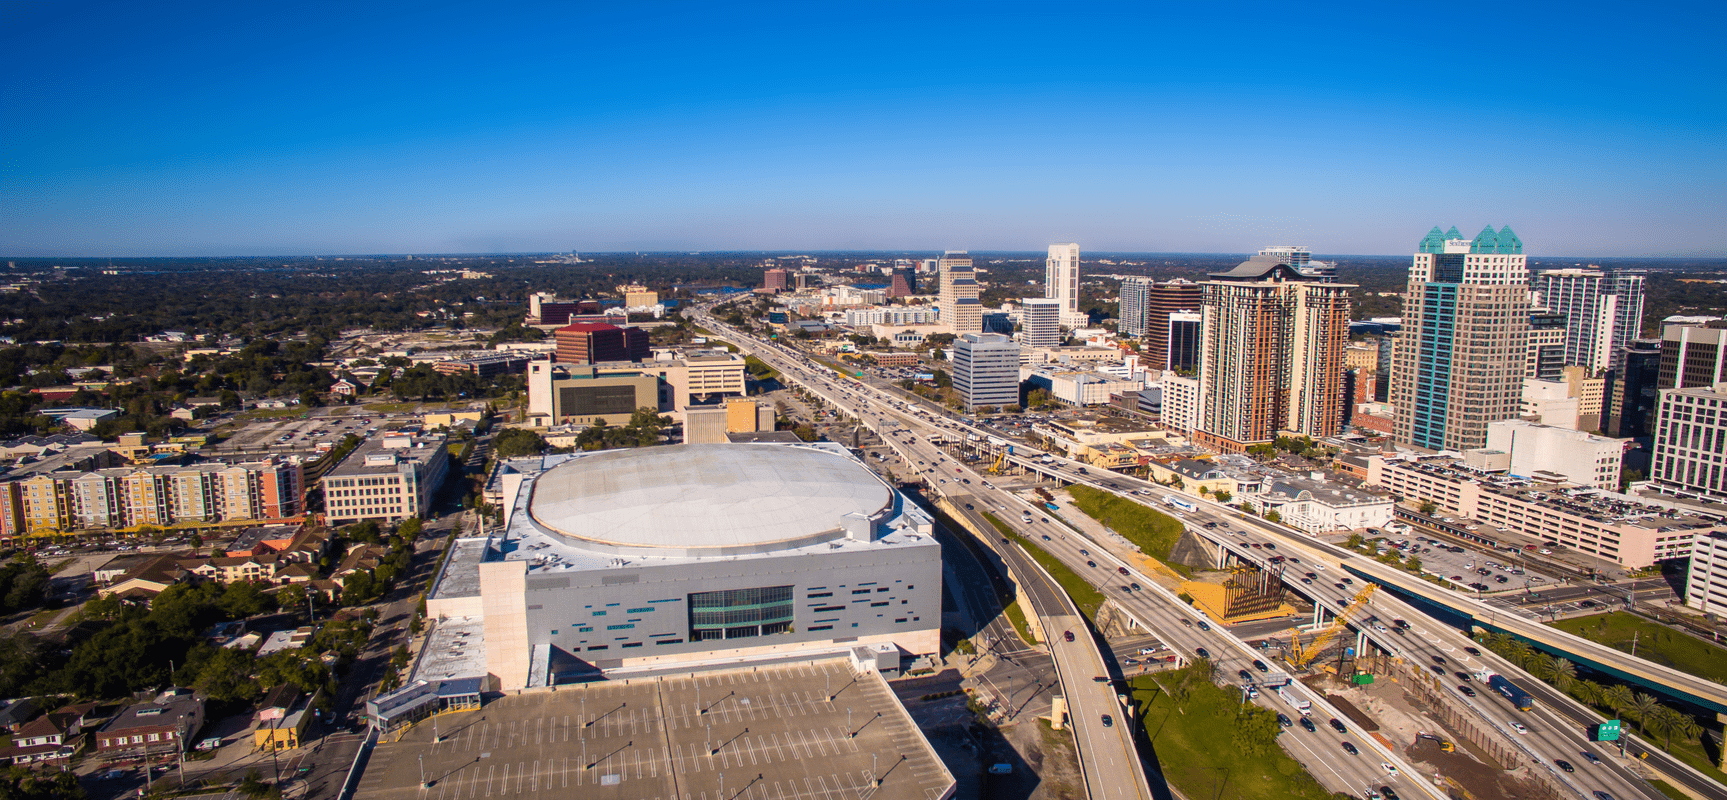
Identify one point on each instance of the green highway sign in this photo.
(1607, 731)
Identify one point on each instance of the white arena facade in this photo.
(636, 561)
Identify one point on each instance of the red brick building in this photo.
(596, 342)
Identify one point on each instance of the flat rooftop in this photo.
(418, 449)
(764, 734)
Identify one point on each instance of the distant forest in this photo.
(125, 300)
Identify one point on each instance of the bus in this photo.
(1184, 505)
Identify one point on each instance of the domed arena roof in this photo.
(705, 499)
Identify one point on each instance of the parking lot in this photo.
(1485, 571)
(764, 734)
(296, 434)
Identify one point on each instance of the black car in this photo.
(1472, 651)
(1466, 690)
(1307, 725)
(1244, 674)
(1283, 720)
(1068, 635)
(1337, 725)
(1202, 625)
(1260, 665)
(1046, 537)
(1350, 749)
(1135, 586)
(1108, 721)
(1461, 675)
(1564, 765)
(1387, 793)
(968, 507)
(1200, 651)
(1439, 659)
(1091, 563)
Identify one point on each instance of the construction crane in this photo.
(1000, 461)
(1301, 656)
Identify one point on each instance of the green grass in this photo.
(1655, 642)
(1194, 739)
(1153, 532)
(392, 408)
(1670, 790)
(1016, 615)
(270, 413)
(1084, 595)
(758, 369)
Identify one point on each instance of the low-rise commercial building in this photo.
(1319, 506)
(163, 725)
(1607, 525)
(1079, 388)
(390, 477)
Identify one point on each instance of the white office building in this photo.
(960, 308)
(1061, 283)
(1706, 582)
(986, 370)
(1691, 443)
(1040, 323)
(1581, 458)
(1180, 403)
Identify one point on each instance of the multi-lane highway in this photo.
(916, 436)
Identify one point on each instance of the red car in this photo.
(1122, 570)
(1068, 635)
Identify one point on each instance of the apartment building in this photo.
(1691, 443)
(1607, 525)
(121, 497)
(1271, 355)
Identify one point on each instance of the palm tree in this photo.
(1660, 722)
(1543, 666)
(1668, 721)
(1689, 728)
(1564, 673)
(1618, 698)
(1587, 693)
(1644, 706)
(1521, 652)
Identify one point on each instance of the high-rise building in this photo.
(1603, 312)
(1302, 260)
(1631, 395)
(1061, 281)
(1547, 331)
(1135, 303)
(986, 370)
(1460, 356)
(959, 304)
(775, 279)
(1181, 352)
(1159, 300)
(904, 282)
(1693, 353)
(1271, 355)
(1180, 402)
(1040, 323)
(1690, 436)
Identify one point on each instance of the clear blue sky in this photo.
(366, 127)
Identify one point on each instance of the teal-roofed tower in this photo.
(1463, 349)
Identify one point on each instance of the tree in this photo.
(1273, 516)
(1428, 508)
(1256, 729)
(1564, 673)
(1618, 697)
(1643, 705)
(1222, 496)
(1354, 541)
(1413, 564)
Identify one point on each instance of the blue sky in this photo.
(246, 128)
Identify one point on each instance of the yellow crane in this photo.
(1000, 461)
(1301, 656)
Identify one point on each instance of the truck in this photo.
(1518, 697)
(1304, 707)
(1184, 505)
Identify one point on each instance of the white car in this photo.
(1546, 552)
(1389, 769)
(1518, 726)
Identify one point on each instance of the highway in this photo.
(1549, 738)
(1104, 735)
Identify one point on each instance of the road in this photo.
(1549, 739)
(1109, 759)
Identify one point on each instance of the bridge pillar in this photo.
(1722, 718)
(1318, 614)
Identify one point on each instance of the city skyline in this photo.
(209, 130)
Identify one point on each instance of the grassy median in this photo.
(1655, 642)
(1084, 595)
(1016, 615)
(1199, 730)
(1153, 532)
